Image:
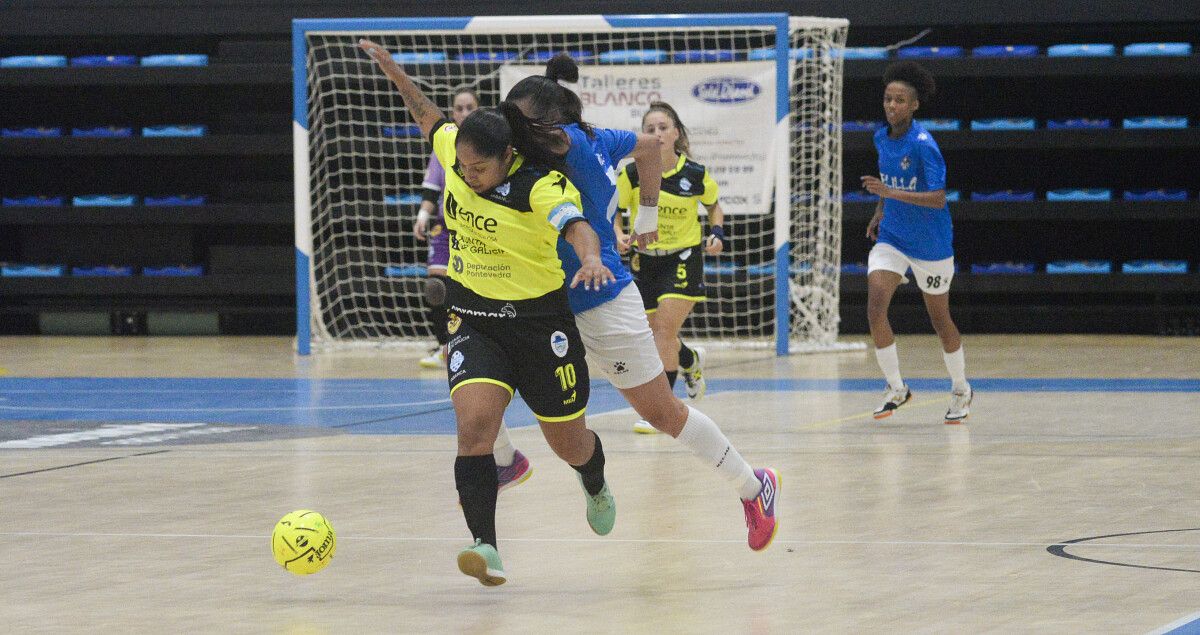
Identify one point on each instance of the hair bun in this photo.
(562, 67)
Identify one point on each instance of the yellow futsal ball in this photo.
(303, 542)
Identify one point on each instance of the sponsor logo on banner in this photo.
(728, 107)
(726, 90)
(559, 343)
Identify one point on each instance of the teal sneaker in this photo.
(482, 562)
(601, 508)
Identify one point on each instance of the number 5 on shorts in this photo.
(681, 274)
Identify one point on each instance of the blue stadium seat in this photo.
(104, 271)
(1070, 267)
(865, 53)
(1158, 49)
(1011, 196)
(104, 60)
(419, 57)
(174, 271)
(181, 130)
(1005, 50)
(1156, 195)
(633, 56)
(1172, 123)
(1003, 268)
(18, 270)
(175, 200)
(187, 59)
(105, 200)
(929, 52)
(940, 125)
(39, 132)
(1081, 50)
(1155, 267)
(1079, 195)
(43, 200)
(1078, 124)
(103, 132)
(709, 56)
(33, 61)
(1014, 123)
(487, 56)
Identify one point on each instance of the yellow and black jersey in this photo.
(503, 242)
(684, 186)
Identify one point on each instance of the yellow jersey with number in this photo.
(503, 243)
(684, 187)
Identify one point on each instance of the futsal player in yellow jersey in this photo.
(510, 323)
(670, 271)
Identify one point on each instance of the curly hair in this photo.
(914, 75)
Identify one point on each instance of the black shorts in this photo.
(678, 275)
(540, 357)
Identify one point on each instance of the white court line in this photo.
(866, 543)
(263, 409)
(1183, 621)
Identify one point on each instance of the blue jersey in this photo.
(592, 168)
(914, 163)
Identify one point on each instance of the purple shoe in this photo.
(515, 474)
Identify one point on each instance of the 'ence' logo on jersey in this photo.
(455, 212)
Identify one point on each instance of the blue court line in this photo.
(1189, 625)
(404, 406)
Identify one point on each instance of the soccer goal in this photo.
(760, 93)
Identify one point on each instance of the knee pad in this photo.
(435, 291)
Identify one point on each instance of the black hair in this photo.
(549, 101)
(682, 144)
(491, 130)
(914, 75)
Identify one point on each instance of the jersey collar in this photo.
(678, 166)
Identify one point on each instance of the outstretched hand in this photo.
(381, 57)
(593, 274)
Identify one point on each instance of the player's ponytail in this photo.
(547, 100)
(682, 145)
(563, 68)
(534, 139)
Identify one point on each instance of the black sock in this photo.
(671, 375)
(438, 323)
(475, 478)
(687, 356)
(593, 470)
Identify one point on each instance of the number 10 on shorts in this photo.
(566, 376)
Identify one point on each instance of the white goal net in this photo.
(360, 158)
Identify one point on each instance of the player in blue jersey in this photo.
(612, 321)
(912, 230)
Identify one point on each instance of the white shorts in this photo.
(932, 276)
(618, 339)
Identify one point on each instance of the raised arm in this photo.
(648, 160)
(423, 111)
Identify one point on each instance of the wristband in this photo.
(717, 231)
(647, 219)
(423, 216)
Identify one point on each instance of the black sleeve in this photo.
(431, 195)
(437, 126)
(570, 222)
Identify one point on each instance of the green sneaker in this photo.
(482, 562)
(601, 508)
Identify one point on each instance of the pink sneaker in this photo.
(515, 474)
(761, 522)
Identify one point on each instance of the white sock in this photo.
(701, 435)
(503, 449)
(889, 363)
(957, 367)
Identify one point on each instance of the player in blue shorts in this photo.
(912, 230)
(612, 320)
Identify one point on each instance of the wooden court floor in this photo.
(1068, 503)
